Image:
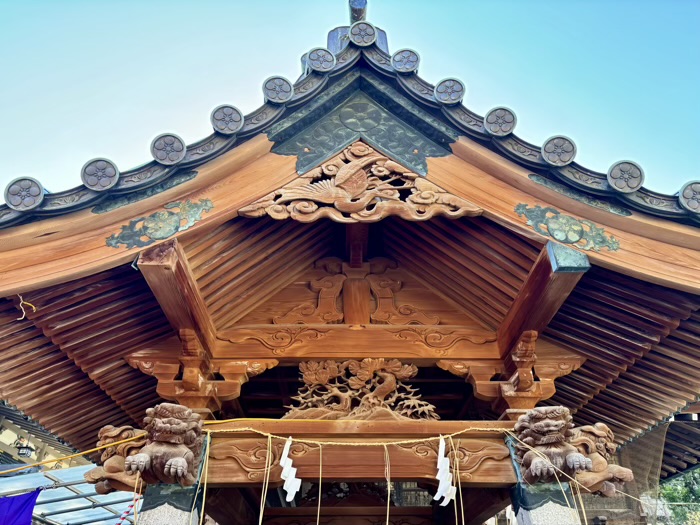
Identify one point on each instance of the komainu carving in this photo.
(175, 440)
(370, 389)
(547, 431)
(110, 475)
(359, 185)
(597, 442)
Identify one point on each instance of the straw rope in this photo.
(320, 484)
(71, 456)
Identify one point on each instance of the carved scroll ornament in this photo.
(360, 185)
(371, 389)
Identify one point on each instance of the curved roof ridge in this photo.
(27, 199)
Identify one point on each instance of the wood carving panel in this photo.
(242, 461)
(360, 185)
(371, 389)
(420, 344)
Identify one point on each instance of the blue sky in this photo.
(82, 79)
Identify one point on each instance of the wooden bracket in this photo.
(193, 380)
(531, 382)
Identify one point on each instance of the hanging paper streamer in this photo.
(292, 484)
(445, 488)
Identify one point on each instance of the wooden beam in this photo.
(421, 345)
(552, 278)
(238, 454)
(170, 278)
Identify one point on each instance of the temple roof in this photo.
(553, 165)
(634, 317)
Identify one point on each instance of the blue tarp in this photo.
(17, 510)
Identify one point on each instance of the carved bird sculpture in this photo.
(343, 190)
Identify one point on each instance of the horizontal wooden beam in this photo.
(421, 345)
(170, 278)
(238, 455)
(553, 277)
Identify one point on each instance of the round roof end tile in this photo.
(362, 34)
(226, 119)
(625, 176)
(689, 196)
(99, 174)
(24, 194)
(321, 60)
(500, 122)
(405, 61)
(278, 90)
(449, 91)
(559, 151)
(168, 149)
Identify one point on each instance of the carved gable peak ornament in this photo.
(371, 389)
(360, 185)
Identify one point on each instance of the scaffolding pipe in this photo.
(86, 507)
(95, 520)
(66, 498)
(44, 487)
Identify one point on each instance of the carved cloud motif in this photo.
(360, 185)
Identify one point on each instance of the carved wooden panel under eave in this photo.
(360, 185)
(395, 297)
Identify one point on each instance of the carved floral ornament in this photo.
(227, 119)
(99, 174)
(689, 197)
(559, 151)
(359, 185)
(625, 176)
(278, 90)
(24, 194)
(405, 61)
(371, 389)
(168, 149)
(580, 233)
(321, 60)
(362, 34)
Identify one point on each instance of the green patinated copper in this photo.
(580, 233)
(160, 225)
(362, 107)
(114, 202)
(580, 196)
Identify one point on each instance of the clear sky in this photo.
(82, 79)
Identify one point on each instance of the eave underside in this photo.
(64, 366)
